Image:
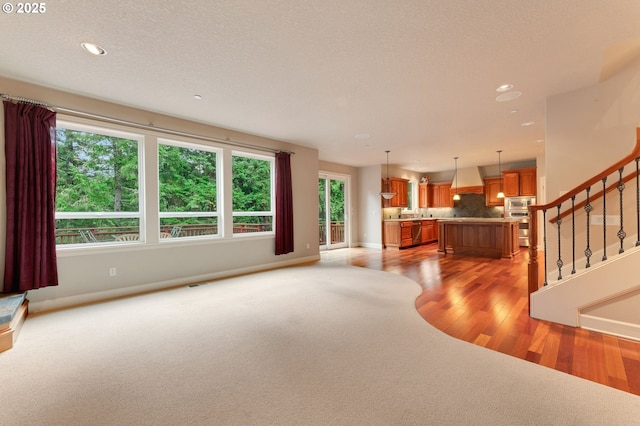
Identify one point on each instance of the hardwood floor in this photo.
(484, 301)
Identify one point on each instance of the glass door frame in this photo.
(346, 179)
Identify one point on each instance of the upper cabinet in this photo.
(491, 189)
(401, 188)
(423, 195)
(528, 182)
(440, 195)
(519, 182)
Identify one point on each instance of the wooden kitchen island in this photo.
(488, 237)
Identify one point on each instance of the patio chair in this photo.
(164, 235)
(87, 236)
(128, 237)
(176, 230)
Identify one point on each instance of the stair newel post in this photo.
(587, 209)
(559, 262)
(533, 252)
(638, 201)
(544, 238)
(621, 233)
(573, 234)
(604, 218)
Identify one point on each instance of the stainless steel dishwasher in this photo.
(416, 232)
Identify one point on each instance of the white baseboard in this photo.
(369, 245)
(609, 326)
(81, 299)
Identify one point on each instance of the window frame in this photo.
(219, 152)
(148, 213)
(272, 195)
(124, 134)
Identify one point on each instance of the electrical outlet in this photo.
(113, 272)
(307, 245)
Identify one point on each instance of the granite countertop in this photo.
(412, 219)
(479, 219)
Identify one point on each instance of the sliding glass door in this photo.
(333, 218)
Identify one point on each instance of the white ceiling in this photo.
(418, 76)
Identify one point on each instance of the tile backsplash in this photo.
(470, 205)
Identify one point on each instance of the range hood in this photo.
(469, 181)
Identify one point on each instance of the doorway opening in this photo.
(332, 209)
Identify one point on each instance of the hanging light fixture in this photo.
(387, 194)
(456, 196)
(500, 194)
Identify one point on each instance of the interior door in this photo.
(332, 209)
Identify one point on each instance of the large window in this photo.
(188, 199)
(102, 174)
(253, 193)
(98, 185)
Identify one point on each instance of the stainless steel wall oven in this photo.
(518, 207)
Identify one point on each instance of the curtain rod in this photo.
(139, 125)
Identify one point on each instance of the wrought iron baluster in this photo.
(587, 209)
(559, 262)
(573, 234)
(604, 218)
(621, 233)
(544, 239)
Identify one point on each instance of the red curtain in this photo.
(284, 204)
(30, 255)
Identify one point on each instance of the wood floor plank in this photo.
(484, 301)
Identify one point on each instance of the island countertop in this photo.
(494, 237)
(479, 219)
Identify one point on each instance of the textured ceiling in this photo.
(418, 76)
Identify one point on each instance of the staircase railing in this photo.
(582, 194)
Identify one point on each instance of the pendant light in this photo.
(500, 194)
(387, 194)
(456, 196)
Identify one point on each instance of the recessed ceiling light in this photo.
(504, 88)
(93, 48)
(513, 111)
(540, 140)
(528, 123)
(198, 97)
(362, 136)
(508, 96)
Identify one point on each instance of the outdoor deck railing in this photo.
(110, 234)
(337, 232)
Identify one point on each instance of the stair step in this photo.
(13, 312)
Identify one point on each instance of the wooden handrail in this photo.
(594, 197)
(533, 271)
(597, 178)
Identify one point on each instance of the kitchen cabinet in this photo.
(401, 188)
(491, 188)
(429, 231)
(397, 234)
(400, 233)
(441, 195)
(519, 182)
(479, 237)
(423, 195)
(528, 182)
(511, 183)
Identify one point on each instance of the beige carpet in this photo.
(319, 344)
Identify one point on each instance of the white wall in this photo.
(83, 273)
(369, 219)
(590, 129)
